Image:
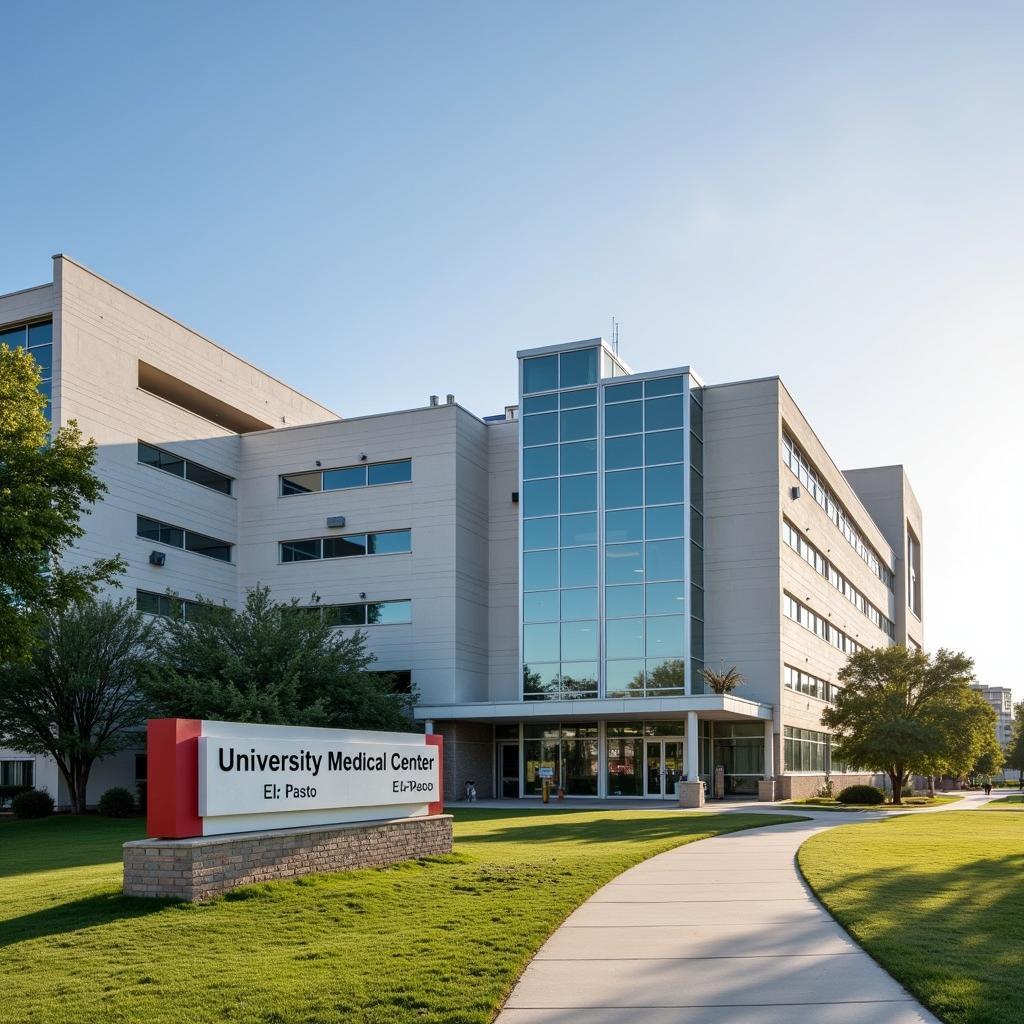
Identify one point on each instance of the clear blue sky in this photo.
(379, 201)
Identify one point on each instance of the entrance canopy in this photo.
(710, 706)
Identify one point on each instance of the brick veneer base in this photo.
(196, 869)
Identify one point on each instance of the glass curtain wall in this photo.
(608, 529)
(571, 750)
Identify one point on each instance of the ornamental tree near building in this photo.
(270, 662)
(46, 485)
(903, 712)
(76, 697)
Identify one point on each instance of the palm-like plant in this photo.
(722, 682)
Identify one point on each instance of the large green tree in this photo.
(902, 712)
(270, 662)
(76, 697)
(46, 485)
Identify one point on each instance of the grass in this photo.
(938, 900)
(1005, 803)
(910, 803)
(439, 940)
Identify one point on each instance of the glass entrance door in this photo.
(508, 769)
(664, 762)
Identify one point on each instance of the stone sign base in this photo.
(691, 794)
(196, 869)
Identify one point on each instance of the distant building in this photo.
(1001, 700)
(552, 580)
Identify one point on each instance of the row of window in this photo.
(654, 561)
(806, 750)
(803, 682)
(579, 424)
(167, 606)
(619, 602)
(798, 612)
(801, 466)
(178, 537)
(366, 474)
(386, 542)
(660, 636)
(624, 488)
(150, 455)
(578, 680)
(631, 450)
(814, 558)
(364, 613)
(560, 370)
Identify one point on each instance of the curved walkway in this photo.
(722, 931)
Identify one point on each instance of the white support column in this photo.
(692, 747)
(769, 749)
(428, 727)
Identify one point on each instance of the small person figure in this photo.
(986, 784)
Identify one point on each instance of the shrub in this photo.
(827, 792)
(9, 792)
(32, 803)
(861, 795)
(116, 803)
(907, 791)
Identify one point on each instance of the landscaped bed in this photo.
(910, 803)
(431, 942)
(936, 899)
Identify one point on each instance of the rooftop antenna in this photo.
(615, 336)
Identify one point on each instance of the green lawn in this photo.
(938, 900)
(1005, 803)
(910, 803)
(431, 942)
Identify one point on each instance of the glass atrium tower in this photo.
(611, 527)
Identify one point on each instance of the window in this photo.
(817, 561)
(801, 467)
(17, 773)
(164, 605)
(37, 338)
(806, 750)
(387, 542)
(177, 537)
(366, 474)
(913, 573)
(803, 682)
(818, 625)
(369, 613)
(150, 455)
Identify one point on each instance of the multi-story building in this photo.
(552, 580)
(1000, 699)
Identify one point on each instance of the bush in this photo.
(10, 792)
(116, 803)
(907, 791)
(32, 803)
(861, 795)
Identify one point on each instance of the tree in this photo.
(46, 485)
(902, 711)
(270, 662)
(722, 682)
(76, 698)
(1015, 749)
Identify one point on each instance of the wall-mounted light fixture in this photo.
(157, 558)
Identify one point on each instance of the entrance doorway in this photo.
(508, 769)
(664, 761)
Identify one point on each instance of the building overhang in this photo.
(709, 706)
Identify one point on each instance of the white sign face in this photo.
(266, 776)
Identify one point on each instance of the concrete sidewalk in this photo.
(721, 931)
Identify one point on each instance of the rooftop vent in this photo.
(433, 400)
(449, 399)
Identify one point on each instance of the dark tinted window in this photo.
(345, 547)
(389, 472)
(209, 546)
(300, 550)
(541, 374)
(342, 479)
(301, 483)
(390, 543)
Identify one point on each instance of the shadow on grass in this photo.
(646, 828)
(64, 841)
(951, 934)
(77, 915)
